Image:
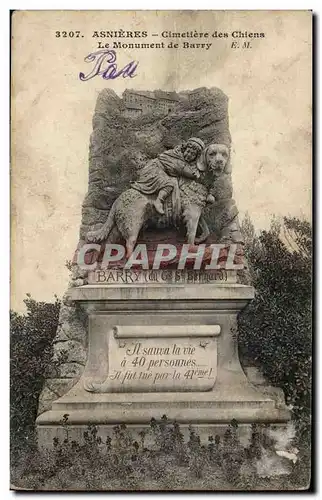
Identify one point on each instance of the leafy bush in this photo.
(31, 336)
(275, 329)
(120, 462)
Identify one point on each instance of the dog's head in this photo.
(215, 158)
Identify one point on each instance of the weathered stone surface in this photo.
(70, 371)
(70, 352)
(46, 398)
(61, 335)
(141, 311)
(254, 375)
(120, 147)
(67, 313)
(71, 325)
(72, 330)
(74, 350)
(217, 390)
(153, 358)
(59, 385)
(53, 389)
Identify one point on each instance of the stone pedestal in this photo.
(162, 349)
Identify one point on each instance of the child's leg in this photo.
(163, 194)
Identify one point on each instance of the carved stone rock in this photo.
(120, 147)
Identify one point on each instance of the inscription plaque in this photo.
(159, 358)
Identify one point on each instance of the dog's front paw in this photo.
(94, 236)
(90, 237)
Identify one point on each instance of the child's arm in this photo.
(176, 170)
(186, 172)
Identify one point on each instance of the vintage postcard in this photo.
(161, 248)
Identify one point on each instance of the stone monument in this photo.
(148, 326)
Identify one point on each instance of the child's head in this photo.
(192, 149)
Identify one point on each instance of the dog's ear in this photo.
(202, 161)
(228, 167)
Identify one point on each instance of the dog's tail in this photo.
(103, 233)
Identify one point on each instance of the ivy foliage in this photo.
(31, 337)
(275, 330)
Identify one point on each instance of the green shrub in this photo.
(121, 462)
(275, 329)
(31, 336)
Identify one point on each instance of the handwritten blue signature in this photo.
(106, 67)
